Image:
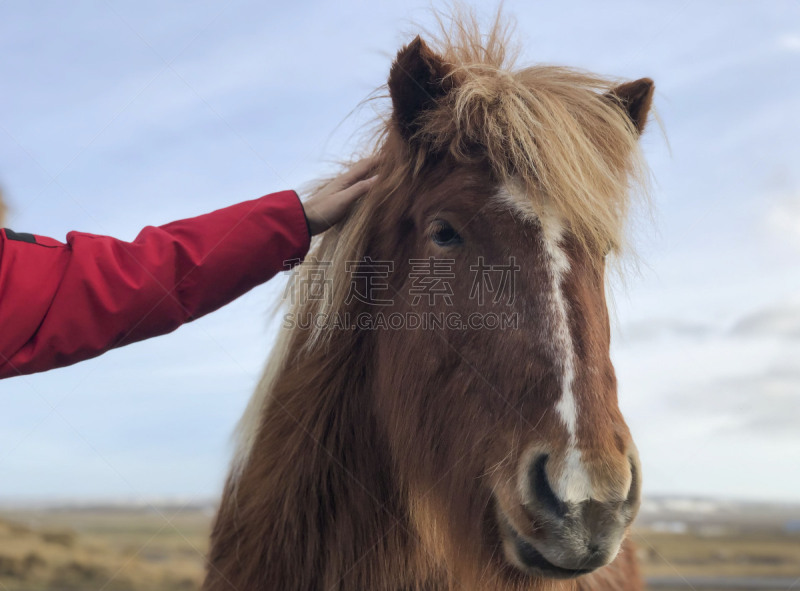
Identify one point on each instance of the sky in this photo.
(117, 115)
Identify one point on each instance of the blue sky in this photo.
(117, 115)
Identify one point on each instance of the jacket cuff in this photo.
(299, 225)
(305, 217)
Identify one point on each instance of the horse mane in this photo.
(553, 135)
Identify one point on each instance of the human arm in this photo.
(61, 303)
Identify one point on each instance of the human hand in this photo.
(330, 203)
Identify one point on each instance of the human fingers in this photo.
(358, 171)
(324, 210)
(358, 189)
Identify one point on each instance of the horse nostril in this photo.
(542, 489)
(633, 491)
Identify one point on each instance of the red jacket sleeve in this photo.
(63, 303)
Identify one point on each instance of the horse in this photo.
(440, 410)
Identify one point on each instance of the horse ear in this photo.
(417, 78)
(636, 98)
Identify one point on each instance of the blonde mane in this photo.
(554, 134)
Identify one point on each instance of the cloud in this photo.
(779, 321)
(659, 328)
(765, 404)
(790, 42)
(783, 218)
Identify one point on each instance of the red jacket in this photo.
(63, 303)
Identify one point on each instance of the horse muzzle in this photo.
(548, 537)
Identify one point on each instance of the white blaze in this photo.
(574, 483)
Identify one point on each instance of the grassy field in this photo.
(738, 555)
(109, 550)
(115, 549)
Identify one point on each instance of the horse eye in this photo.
(443, 234)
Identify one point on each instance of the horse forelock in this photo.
(553, 130)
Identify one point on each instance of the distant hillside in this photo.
(718, 517)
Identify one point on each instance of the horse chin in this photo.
(522, 554)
